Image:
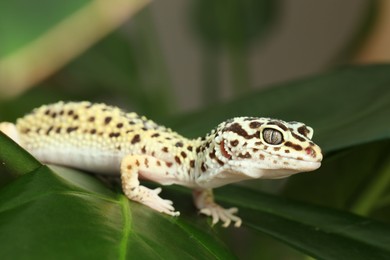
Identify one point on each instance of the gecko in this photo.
(106, 140)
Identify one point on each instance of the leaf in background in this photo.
(322, 233)
(345, 107)
(52, 40)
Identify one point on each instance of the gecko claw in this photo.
(218, 213)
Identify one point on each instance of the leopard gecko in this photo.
(106, 140)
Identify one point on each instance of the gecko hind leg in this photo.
(10, 130)
(204, 201)
(134, 166)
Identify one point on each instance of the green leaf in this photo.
(346, 107)
(62, 214)
(321, 232)
(10, 160)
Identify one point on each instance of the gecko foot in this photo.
(151, 199)
(204, 201)
(225, 215)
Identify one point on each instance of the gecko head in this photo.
(266, 148)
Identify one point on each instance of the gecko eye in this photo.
(272, 136)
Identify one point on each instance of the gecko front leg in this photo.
(134, 166)
(204, 201)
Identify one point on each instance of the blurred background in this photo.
(165, 57)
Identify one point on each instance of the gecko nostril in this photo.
(310, 151)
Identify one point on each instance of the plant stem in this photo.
(370, 197)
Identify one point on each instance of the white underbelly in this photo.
(93, 160)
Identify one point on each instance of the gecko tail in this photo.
(10, 130)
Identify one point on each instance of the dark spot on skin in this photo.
(71, 129)
(146, 162)
(179, 144)
(153, 153)
(166, 173)
(168, 138)
(303, 131)
(158, 163)
(287, 151)
(255, 150)
(169, 164)
(58, 130)
(183, 154)
(279, 124)
(220, 162)
(299, 158)
(107, 120)
(165, 149)
(129, 131)
(192, 163)
(156, 135)
(129, 167)
(54, 115)
(262, 157)
(189, 148)
(93, 131)
(212, 154)
(49, 130)
(61, 112)
(131, 123)
(265, 147)
(300, 138)
(177, 159)
(143, 150)
(276, 149)
(75, 117)
(38, 130)
(136, 139)
(118, 147)
(114, 134)
(70, 112)
(26, 130)
(137, 163)
(245, 156)
(258, 143)
(120, 125)
(296, 147)
(236, 128)
(255, 124)
(144, 128)
(198, 149)
(275, 161)
(234, 143)
(91, 119)
(47, 112)
(203, 167)
(285, 163)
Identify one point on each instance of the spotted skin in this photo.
(107, 140)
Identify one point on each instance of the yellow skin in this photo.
(106, 140)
